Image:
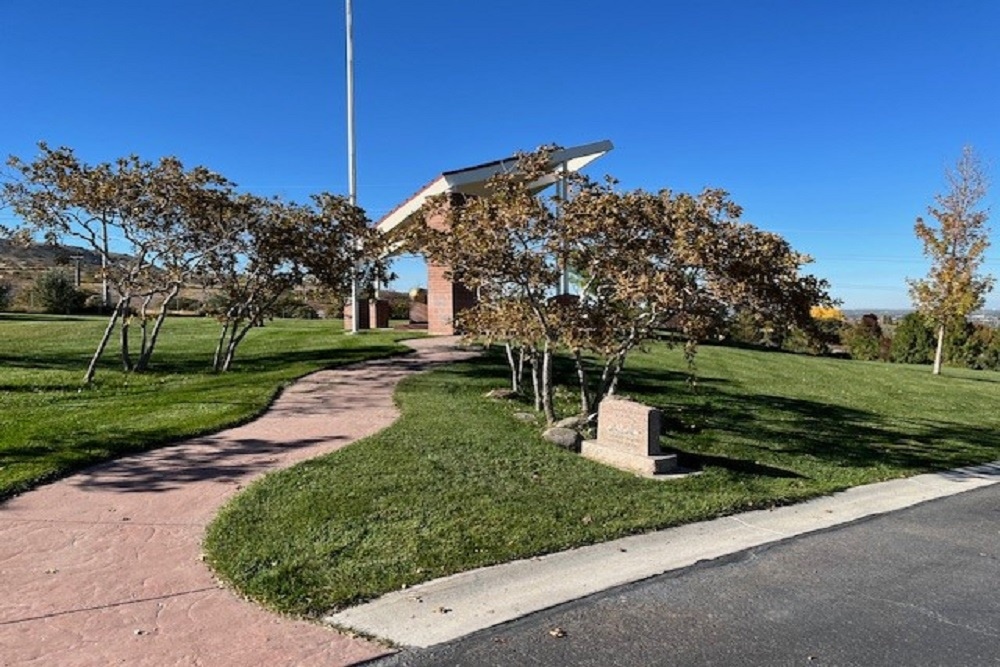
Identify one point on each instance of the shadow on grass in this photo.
(206, 458)
(783, 430)
(39, 317)
(197, 364)
(698, 461)
(992, 378)
(321, 358)
(720, 424)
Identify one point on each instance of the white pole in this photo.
(563, 191)
(352, 175)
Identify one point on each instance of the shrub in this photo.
(913, 342)
(751, 328)
(743, 327)
(988, 357)
(6, 295)
(961, 345)
(865, 340)
(57, 293)
(975, 346)
(399, 304)
(215, 305)
(186, 304)
(291, 306)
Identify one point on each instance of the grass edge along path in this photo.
(458, 483)
(51, 426)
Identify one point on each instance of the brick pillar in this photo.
(378, 313)
(363, 320)
(445, 298)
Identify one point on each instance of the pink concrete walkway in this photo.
(104, 567)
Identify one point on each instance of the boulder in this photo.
(563, 437)
(574, 422)
(501, 393)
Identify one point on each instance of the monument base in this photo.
(641, 464)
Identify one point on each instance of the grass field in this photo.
(51, 425)
(458, 482)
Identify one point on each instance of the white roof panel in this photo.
(472, 180)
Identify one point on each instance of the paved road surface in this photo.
(916, 587)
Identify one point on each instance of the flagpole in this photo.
(352, 176)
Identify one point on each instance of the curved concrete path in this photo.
(104, 567)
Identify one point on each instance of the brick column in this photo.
(364, 322)
(445, 298)
(378, 314)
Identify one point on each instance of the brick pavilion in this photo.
(446, 298)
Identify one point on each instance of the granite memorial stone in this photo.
(628, 437)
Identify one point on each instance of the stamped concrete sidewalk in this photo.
(104, 567)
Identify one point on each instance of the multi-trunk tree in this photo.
(646, 263)
(171, 226)
(505, 247)
(955, 241)
(148, 211)
(670, 262)
(268, 247)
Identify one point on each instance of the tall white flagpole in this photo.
(352, 175)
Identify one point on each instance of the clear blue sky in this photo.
(830, 122)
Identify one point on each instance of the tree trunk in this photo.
(619, 363)
(602, 386)
(123, 334)
(144, 328)
(234, 342)
(514, 379)
(227, 362)
(536, 379)
(608, 383)
(217, 358)
(939, 352)
(550, 415)
(522, 354)
(147, 351)
(92, 368)
(581, 374)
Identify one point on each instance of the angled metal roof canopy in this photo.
(472, 180)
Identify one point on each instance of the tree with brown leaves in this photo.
(149, 211)
(646, 263)
(174, 226)
(669, 262)
(268, 247)
(502, 247)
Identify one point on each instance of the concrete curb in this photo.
(445, 609)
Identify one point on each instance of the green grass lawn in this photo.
(458, 482)
(51, 425)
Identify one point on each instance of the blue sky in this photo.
(829, 122)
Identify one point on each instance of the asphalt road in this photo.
(917, 587)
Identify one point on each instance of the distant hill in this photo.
(21, 264)
(15, 257)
